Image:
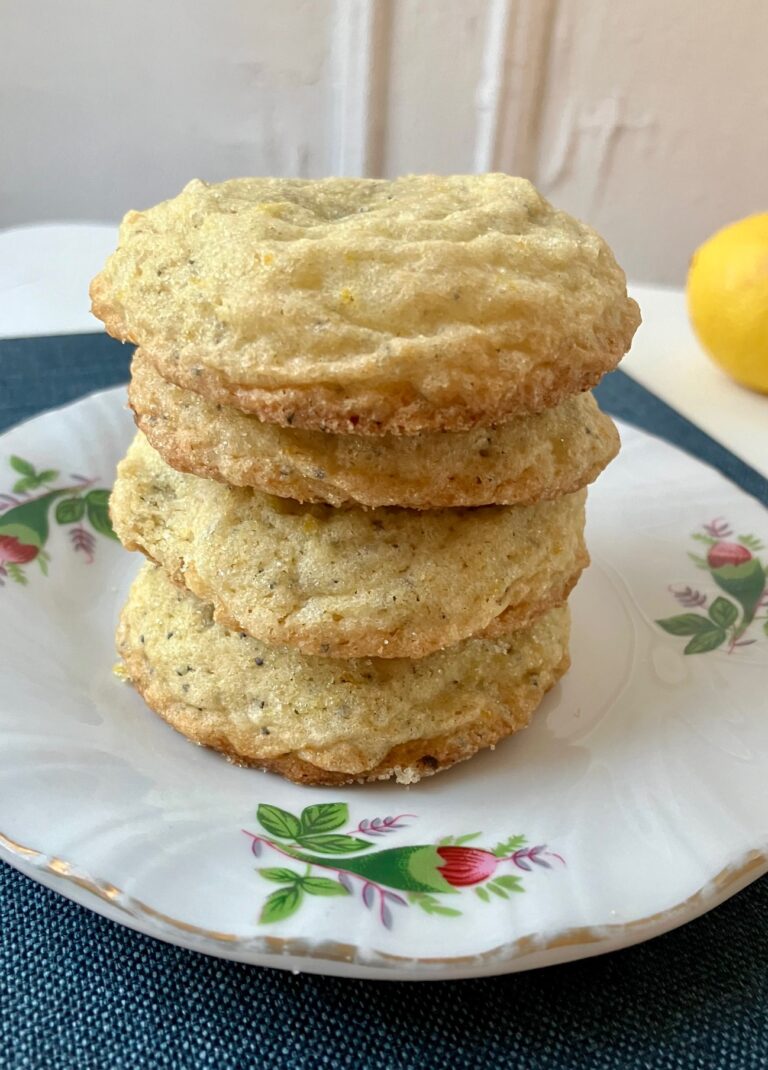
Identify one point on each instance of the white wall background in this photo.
(648, 118)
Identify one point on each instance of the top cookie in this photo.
(425, 303)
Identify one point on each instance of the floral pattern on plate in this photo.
(732, 562)
(644, 768)
(424, 872)
(26, 512)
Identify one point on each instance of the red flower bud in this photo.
(15, 552)
(727, 553)
(466, 865)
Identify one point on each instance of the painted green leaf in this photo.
(512, 884)
(685, 624)
(29, 521)
(430, 905)
(21, 486)
(745, 583)
(723, 612)
(323, 817)
(281, 904)
(70, 511)
(409, 869)
(751, 542)
(42, 562)
(48, 476)
(467, 838)
(699, 562)
(330, 843)
(16, 573)
(424, 865)
(322, 886)
(280, 875)
(278, 822)
(483, 894)
(765, 626)
(97, 503)
(23, 467)
(705, 641)
(704, 538)
(497, 890)
(508, 846)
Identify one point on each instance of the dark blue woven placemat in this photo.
(79, 991)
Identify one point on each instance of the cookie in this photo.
(357, 305)
(533, 457)
(345, 582)
(324, 721)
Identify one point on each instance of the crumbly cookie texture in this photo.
(323, 721)
(345, 582)
(530, 458)
(369, 306)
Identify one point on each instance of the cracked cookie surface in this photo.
(347, 582)
(324, 721)
(369, 306)
(530, 458)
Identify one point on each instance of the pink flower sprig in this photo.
(688, 596)
(369, 890)
(719, 528)
(83, 542)
(370, 893)
(379, 826)
(525, 855)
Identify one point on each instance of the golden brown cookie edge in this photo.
(510, 619)
(407, 762)
(369, 412)
(467, 494)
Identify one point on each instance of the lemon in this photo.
(727, 293)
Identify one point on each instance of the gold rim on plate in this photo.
(726, 883)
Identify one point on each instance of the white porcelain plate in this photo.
(636, 801)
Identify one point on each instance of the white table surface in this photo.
(45, 270)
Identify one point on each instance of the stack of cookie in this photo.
(364, 441)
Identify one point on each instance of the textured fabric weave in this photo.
(79, 991)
